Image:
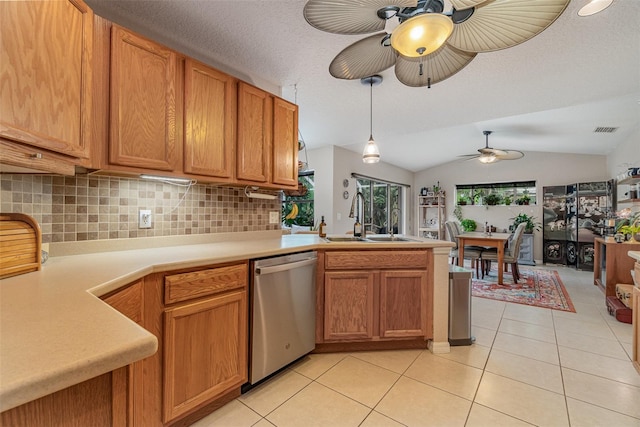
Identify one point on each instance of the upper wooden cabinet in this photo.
(143, 103)
(46, 71)
(285, 143)
(267, 150)
(210, 121)
(255, 109)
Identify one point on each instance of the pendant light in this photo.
(371, 153)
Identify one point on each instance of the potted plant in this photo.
(463, 200)
(523, 200)
(507, 200)
(632, 227)
(529, 220)
(492, 199)
(468, 224)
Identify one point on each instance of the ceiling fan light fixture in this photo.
(593, 7)
(487, 158)
(422, 34)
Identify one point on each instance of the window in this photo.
(302, 199)
(499, 193)
(384, 204)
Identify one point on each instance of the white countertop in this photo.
(55, 331)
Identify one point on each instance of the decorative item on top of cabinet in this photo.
(46, 69)
(210, 98)
(431, 215)
(143, 103)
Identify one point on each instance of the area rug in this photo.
(539, 288)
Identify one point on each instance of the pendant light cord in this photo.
(371, 109)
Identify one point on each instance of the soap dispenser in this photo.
(357, 228)
(322, 232)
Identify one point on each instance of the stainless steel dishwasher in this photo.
(283, 312)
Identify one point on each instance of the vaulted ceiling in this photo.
(547, 94)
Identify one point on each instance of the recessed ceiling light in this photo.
(594, 6)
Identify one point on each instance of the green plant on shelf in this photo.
(492, 199)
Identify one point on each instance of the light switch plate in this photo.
(144, 219)
(274, 217)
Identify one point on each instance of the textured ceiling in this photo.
(547, 94)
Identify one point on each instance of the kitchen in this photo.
(105, 217)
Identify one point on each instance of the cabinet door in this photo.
(255, 109)
(403, 303)
(45, 64)
(348, 305)
(205, 351)
(143, 105)
(210, 118)
(285, 143)
(129, 380)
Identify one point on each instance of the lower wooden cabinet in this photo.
(205, 351)
(95, 402)
(348, 305)
(636, 319)
(403, 303)
(375, 295)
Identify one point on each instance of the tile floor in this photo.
(528, 366)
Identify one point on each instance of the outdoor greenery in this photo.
(305, 216)
(377, 212)
(499, 193)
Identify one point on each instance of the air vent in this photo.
(604, 129)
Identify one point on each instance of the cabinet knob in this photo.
(36, 156)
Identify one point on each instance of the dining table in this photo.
(487, 240)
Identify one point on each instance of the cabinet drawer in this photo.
(354, 260)
(185, 286)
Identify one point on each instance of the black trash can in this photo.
(460, 306)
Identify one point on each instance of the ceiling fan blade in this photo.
(510, 155)
(433, 68)
(350, 16)
(465, 4)
(492, 151)
(363, 58)
(469, 156)
(500, 24)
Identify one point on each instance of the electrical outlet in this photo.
(274, 217)
(144, 218)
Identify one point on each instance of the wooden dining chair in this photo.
(511, 254)
(472, 253)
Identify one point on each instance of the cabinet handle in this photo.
(36, 156)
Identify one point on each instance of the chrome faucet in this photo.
(353, 206)
(397, 223)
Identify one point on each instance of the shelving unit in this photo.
(431, 216)
(632, 180)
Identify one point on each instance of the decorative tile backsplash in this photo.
(88, 207)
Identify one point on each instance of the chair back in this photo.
(451, 233)
(517, 240)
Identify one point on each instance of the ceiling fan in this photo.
(427, 45)
(492, 155)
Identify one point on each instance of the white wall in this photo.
(544, 168)
(332, 165)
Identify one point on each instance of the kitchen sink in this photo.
(346, 239)
(368, 239)
(389, 239)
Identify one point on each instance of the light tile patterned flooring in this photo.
(528, 366)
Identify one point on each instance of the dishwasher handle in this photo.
(285, 267)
